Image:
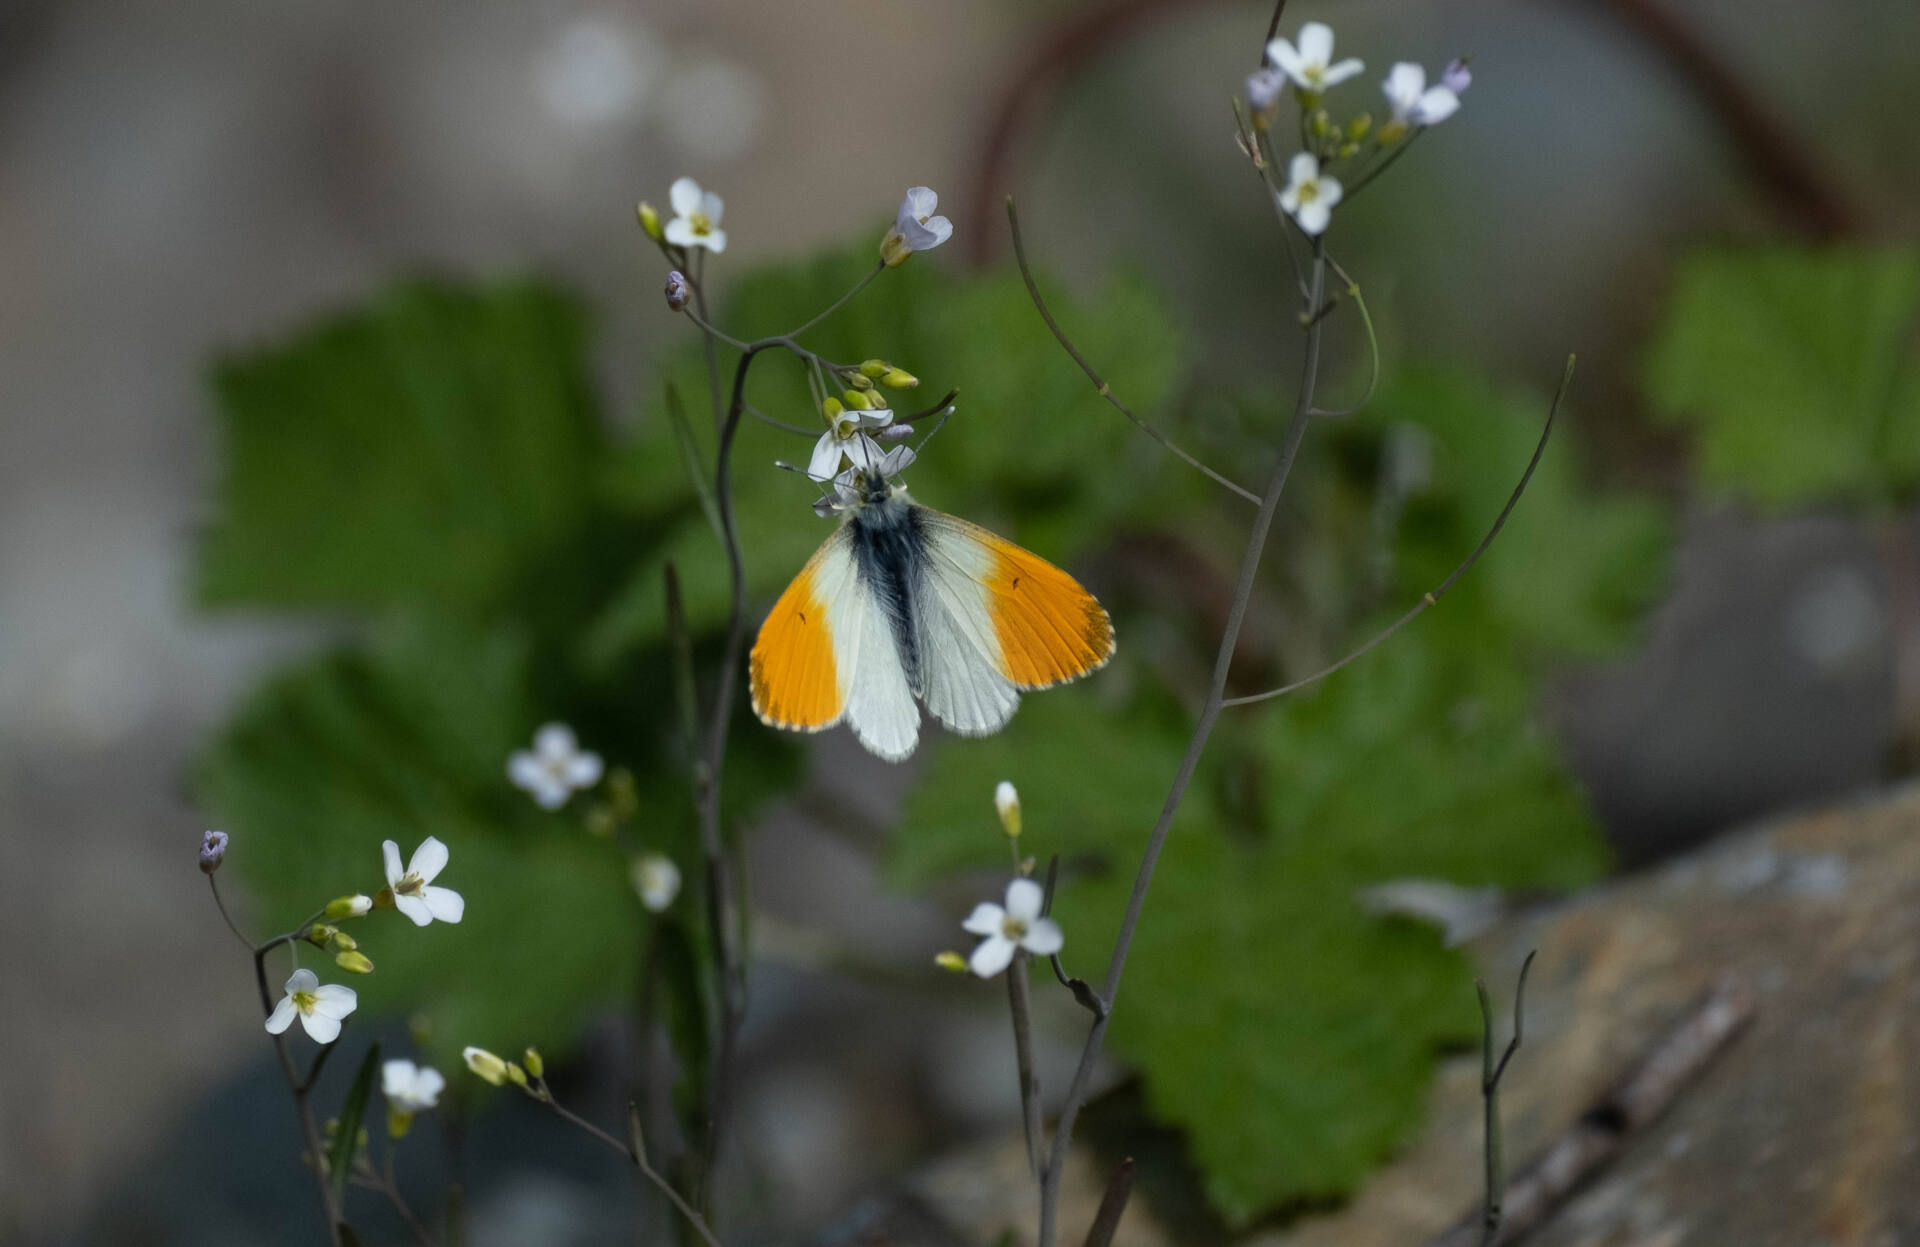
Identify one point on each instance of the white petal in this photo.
(1303, 168)
(714, 208)
(680, 233)
(1436, 105)
(525, 770)
(873, 418)
(826, 457)
(1290, 200)
(1402, 88)
(584, 771)
(414, 908)
(335, 1001)
(864, 453)
(685, 197)
(396, 1079)
(715, 240)
(1336, 74)
(993, 955)
(1313, 217)
(428, 860)
(303, 980)
(391, 853)
(320, 1028)
(1024, 898)
(555, 741)
(444, 903)
(1043, 938)
(985, 919)
(1281, 53)
(925, 236)
(281, 1017)
(550, 793)
(897, 460)
(1331, 192)
(920, 203)
(1316, 43)
(427, 1086)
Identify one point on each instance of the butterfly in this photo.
(906, 602)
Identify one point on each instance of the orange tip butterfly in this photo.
(905, 602)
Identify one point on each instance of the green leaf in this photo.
(1797, 370)
(421, 450)
(352, 1112)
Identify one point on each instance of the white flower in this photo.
(915, 227)
(1310, 194)
(411, 895)
(1017, 926)
(1413, 101)
(319, 1008)
(657, 880)
(847, 435)
(696, 220)
(1310, 64)
(555, 768)
(410, 1088)
(485, 1064)
(1263, 89)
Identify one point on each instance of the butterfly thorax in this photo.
(889, 548)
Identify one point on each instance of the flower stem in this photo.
(635, 1159)
(841, 302)
(1196, 745)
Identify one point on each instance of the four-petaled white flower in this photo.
(1413, 101)
(411, 894)
(1007, 930)
(915, 227)
(657, 880)
(696, 217)
(318, 1008)
(555, 768)
(1310, 63)
(847, 435)
(847, 489)
(1310, 194)
(410, 1088)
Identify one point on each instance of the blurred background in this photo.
(1706, 613)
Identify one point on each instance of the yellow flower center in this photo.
(1013, 929)
(304, 1001)
(701, 222)
(1309, 191)
(408, 885)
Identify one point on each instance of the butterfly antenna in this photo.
(939, 424)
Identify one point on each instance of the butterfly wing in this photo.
(827, 652)
(995, 619)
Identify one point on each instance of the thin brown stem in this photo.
(1432, 597)
(635, 1158)
(1019, 999)
(1196, 745)
(221, 904)
(302, 1104)
(1100, 385)
(879, 268)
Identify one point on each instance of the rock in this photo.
(1801, 1130)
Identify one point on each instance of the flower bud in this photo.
(860, 381)
(857, 400)
(1263, 94)
(678, 292)
(894, 432)
(353, 962)
(649, 220)
(1006, 803)
(1391, 133)
(355, 906)
(319, 934)
(831, 409)
(516, 1075)
(535, 1066)
(1456, 77)
(952, 961)
(1320, 124)
(213, 851)
(899, 379)
(485, 1064)
(1358, 127)
(342, 942)
(875, 368)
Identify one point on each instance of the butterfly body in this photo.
(904, 602)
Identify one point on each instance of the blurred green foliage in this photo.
(432, 473)
(1798, 370)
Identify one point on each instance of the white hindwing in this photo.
(959, 649)
(880, 706)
